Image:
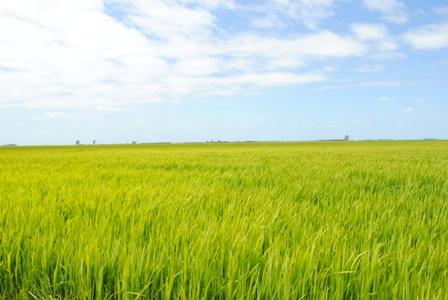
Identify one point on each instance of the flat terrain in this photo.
(355, 220)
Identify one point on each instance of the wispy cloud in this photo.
(310, 13)
(378, 36)
(385, 99)
(338, 85)
(57, 115)
(79, 54)
(392, 10)
(109, 54)
(441, 10)
(371, 68)
(429, 37)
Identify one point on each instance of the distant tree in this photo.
(77, 142)
(346, 137)
(134, 142)
(94, 142)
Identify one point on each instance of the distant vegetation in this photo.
(362, 220)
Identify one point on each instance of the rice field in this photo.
(327, 220)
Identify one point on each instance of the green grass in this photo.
(225, 221)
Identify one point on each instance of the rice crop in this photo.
(327, 220)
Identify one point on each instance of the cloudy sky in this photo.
(197, 70)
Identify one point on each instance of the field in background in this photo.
(364, 220)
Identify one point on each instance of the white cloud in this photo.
(346, 84)
(309, 12)
(409, 109)
(168, 20)
(430, 37)
(323, 44)
(392, 10)
(370, 32)
(229, 4)
(267, 22)
(377, 34)
(57, 115)
(68, 54)
(73, 54)
(370, 68)
(385, 99)
(268, 13)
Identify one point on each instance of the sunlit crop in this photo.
(225, 221)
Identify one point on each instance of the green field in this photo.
(335, 220)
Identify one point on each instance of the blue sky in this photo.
(116, 71)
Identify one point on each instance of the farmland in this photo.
(327, 220)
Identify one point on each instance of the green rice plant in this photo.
(327, 220)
